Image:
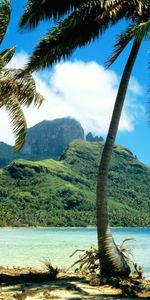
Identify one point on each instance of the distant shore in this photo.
(69, 227)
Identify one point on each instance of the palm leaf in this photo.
(4, 17)
(6, 56)
(114, 10)
(139, 32)
(37, 10)
(142, 31)
(14, 93)
(17, 119)
(79, 29)
(38, 99)
(27, 94)
(25, 87)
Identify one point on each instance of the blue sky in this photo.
(81, 87)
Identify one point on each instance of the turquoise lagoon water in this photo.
(31, 246)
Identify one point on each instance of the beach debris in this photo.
(127, 252)
(53, 272)
(139, 271)
(88, 261)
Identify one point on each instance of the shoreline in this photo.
(32, 284)
(30, 246)
(68, 227)
(42, 268)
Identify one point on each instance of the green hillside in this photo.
(6, 154)
(62, 193)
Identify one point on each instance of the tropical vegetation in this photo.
(79, 23)
(14, 92)
(62, 193)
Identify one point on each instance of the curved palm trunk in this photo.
(111, 259)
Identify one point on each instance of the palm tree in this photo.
(79, 23)
(14, 91)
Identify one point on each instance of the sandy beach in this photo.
(31, 284)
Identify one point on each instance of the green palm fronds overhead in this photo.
(138, 32)
(4, 17)
(14, 91)
(78, 24)
(37, 10)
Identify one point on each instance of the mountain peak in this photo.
(50, 138)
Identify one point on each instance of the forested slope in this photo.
(62, 193)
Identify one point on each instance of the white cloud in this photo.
(83, 90)
(18, 60)
(134, 86)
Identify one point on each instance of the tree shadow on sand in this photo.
(66, 286)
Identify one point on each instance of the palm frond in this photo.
(10, 102)
(37, 10)
(142, 31)
(27, 94)
(79, 29)
(122, 41)
(130, 10)
(14, 93)
(6, 56)
(38, 99)
(137, 31)
(25, 87)
(127, 9)
(114, 10)
(17, 121)
(142, 7)
(4, 17)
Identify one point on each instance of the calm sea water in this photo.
(31, 246)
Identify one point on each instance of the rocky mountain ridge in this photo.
(47, 139)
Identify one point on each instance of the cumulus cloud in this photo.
(83, 90)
